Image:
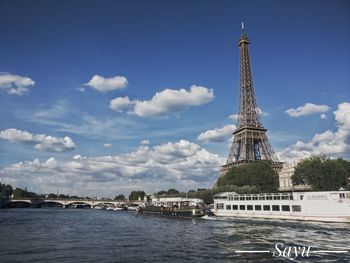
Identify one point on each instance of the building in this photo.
(285, 178)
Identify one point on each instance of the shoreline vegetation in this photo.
(318, 171)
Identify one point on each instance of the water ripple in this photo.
(73, 235)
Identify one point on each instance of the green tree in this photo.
(119, 197)
(322, 173)
(255, 176)
(20, 193)
(173, 191)
(5, 191)
(51, 195)
(160, 193)
(135, 195)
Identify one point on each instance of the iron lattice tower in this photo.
(250, 142)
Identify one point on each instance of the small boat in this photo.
(174, 207)
(132, 207)
(120, 208)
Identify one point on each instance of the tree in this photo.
(173, 191)
(51, 195)
(322, 173)
(5, 191)
(135, 195)
(201, 189)
(119, 197)
(256, 176)
(20, 193)
(162, 193)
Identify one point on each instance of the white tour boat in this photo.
(332, 206)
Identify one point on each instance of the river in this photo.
(84, 235)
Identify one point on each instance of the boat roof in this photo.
(284, 193)
(179, 199)
(226, 193)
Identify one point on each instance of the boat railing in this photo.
(249, 197)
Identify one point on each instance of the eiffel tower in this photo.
(250, 142)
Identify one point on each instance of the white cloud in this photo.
(14, 84)
(107, 84)
(107, 145)
(170, 101)
(81, 89)
(147, 168)
(332, 143)
(233, 117)
(120, 103)
(262, 113)
(63, 117)
(217, 135)
(145, 142)
(40, 141)
(323, 116)
(307, 109)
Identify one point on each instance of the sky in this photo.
(106, 97)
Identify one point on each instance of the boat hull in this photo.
(339, 219)
(158, 211)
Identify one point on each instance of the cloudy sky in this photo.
(105, 97)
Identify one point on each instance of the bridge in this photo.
(66, 202)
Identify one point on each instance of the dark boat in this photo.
(174, 207)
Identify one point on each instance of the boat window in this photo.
(267, 208)
(285, 197)
(268, 197)
(285, 208)
(276, 197)
(217, 206)
(230, 197)
(242, 207)
(261, 197)
(301, 197)
(255, 198)
(296, 208)
(242, 198)
(249, 207)
(291, 197)
(258, 207)
(223, 197)
(275, 208)
(342, 195)
(248, 198)
(234, 207)
(235, 198)
(221, 206)
(228, 207)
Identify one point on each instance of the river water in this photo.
(84, 235)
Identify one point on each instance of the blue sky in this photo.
(174, 65)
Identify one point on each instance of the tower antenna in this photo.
(242, 26)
